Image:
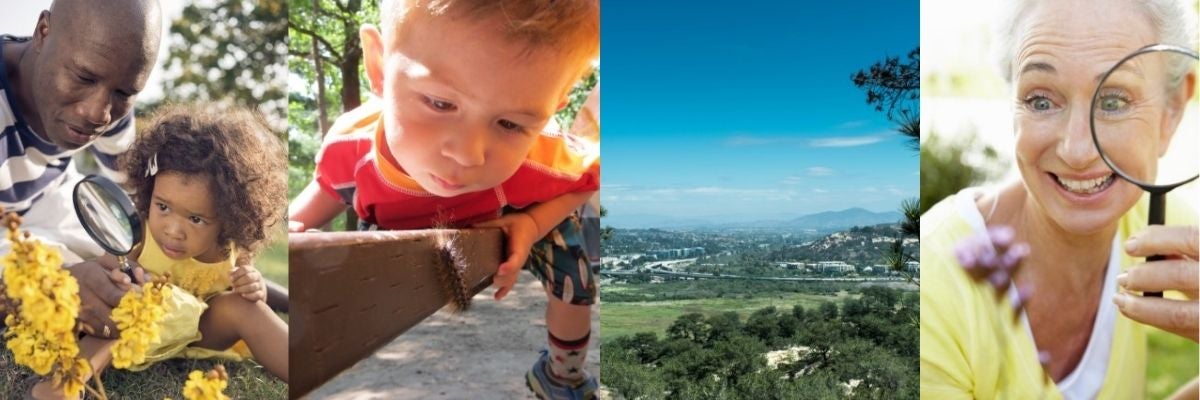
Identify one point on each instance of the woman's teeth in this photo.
(1087, 186)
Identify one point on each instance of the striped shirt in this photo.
(32, 165)
(350, 167)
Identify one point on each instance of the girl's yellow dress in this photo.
(180, 327)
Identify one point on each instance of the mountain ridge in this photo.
(820, 221)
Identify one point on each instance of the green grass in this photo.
(246, 380)
(627, 318)
(1170, 362)
(273, 261)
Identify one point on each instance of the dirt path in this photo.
(483, 353)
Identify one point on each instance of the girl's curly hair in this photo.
(245, 162)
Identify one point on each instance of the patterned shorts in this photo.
(561, 263)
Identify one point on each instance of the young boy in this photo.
(465, 88)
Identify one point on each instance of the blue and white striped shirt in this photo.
(31, 165)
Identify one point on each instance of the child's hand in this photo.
(522, 231)
(295, 226)
(248, 282)
(121, 279)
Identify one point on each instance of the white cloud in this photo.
(818, 171)
(819, 190)
(847, 141)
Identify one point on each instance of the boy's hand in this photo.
(248, 282)
(295, 226)
(522, 231)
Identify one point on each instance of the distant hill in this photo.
(823, 221)
(847, 218)
(861, 246)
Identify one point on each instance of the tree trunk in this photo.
(319, 66)
(351, 93)
(351, 58)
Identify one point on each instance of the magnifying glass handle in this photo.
(1158, 210)
(127, 269)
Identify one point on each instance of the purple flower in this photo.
(994, 257)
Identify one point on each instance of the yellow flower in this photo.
(43, 303)
(138, 316)
(210, 386)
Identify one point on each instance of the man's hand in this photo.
(521, 230)
(248, 283)
(98, 295)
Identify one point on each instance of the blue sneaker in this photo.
(544, 387)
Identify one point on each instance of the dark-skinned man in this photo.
(68, 88)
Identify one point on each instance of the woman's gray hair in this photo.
(1174, 21)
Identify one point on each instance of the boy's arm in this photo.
(523, 228)
(312, 208)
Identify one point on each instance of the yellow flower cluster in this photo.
(201, 281)
(43, 302)
(138, 316)
(210, 386)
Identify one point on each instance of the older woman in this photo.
(1084, 226)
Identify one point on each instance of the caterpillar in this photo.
(453, 270)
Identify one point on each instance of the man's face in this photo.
(86, 78)
(465, 105)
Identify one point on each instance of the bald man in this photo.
(69, 88)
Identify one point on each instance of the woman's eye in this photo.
(1039, 103)
(439, 105)
(1113, 103)
(510, 126)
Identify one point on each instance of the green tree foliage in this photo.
(945, 172)
(893, 86)
(864, 350)
(325, 58)
(230, 52)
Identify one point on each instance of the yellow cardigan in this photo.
(961, 354)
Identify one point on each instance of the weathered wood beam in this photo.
(357, 291)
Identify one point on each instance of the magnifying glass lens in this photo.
(1144, 118)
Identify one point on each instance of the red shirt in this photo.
(350, 167)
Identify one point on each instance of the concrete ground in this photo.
(481, 354)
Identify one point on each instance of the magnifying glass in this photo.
(1145, 108)
(108, 216)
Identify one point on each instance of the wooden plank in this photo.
(357, 291)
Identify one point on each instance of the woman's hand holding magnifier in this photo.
(1179, 272)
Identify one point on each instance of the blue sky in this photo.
(746, 110)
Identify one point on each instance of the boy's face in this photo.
(463, 104)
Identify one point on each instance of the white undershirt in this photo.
(1085, 380)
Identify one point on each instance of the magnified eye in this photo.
(1113, 103)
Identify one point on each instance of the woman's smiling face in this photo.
(1062, 50)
